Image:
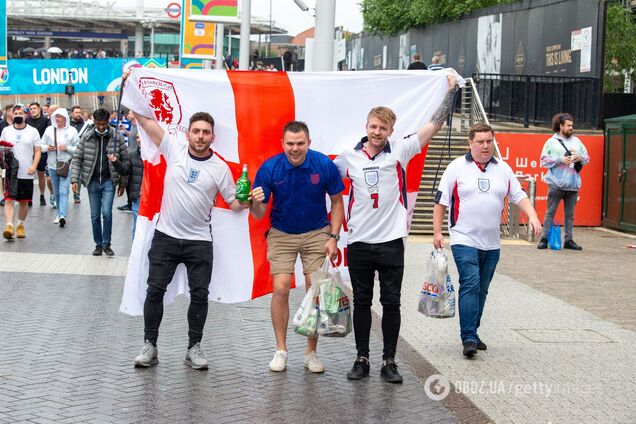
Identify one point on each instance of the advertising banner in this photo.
(523, 151)
(222, 11)
(197, 38)
(3, 35)
(44, 76)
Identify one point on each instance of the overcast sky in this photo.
(286, 14)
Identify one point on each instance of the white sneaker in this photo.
(56, 220)
(279, 363)
(313, 363)
(196, 358)
(147, 357)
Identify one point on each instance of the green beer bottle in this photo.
(243, 186)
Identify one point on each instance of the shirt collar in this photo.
(469, 158)
(303, 165)
(385, 149)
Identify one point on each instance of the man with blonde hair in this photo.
(377, 223)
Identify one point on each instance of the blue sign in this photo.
(49, 76)
(66, 34)
(3, 36)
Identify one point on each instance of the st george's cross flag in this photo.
(250, 109)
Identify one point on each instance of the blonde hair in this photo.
(384, 114)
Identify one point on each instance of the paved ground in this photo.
(559, 350)
(66, 351)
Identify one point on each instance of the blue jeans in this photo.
(100, 197)
(135, 212)
(476, 268)
(61, 186)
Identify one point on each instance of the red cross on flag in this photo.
(250, 109)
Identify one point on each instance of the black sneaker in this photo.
(30, 203)
(470, 349)
(124, 208)
(389, 371)
(481, 345)
(569, 244)
(108, 251)
(42, 200)
(360, 369)
(98, 251)
(62, 222)
(543, 244)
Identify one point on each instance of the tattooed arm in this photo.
(429, 129)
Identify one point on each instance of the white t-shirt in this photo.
(377, 210)
(190, 189)
(24, 141)
(475, 200)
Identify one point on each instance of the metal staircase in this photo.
(471, 112)
(422, 223)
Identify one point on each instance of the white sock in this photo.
(20, 222)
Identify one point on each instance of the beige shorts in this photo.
(283, 249)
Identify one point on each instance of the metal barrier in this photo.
(536, 98)
(515, 223)
(472, 112)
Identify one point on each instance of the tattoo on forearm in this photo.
(444, 109)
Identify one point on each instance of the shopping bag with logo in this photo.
(335, 305)
(306, 318)
(554, 237)
(437, 296)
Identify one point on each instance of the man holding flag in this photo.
(194, 176)
(378, 225)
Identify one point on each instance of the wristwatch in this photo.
(336, 236)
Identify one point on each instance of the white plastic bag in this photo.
(437, 296)
(306, 318)
(334, 301)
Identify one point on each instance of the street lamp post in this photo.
(151, 25)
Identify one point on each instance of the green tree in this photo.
(390, 17)
(620, 46)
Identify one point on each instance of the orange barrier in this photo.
(523, 151)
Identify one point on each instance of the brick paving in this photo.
(555, 354)
(66, 352)
(548, 359)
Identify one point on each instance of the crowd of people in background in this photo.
(66, 150)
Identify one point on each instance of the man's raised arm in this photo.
(150, 127)
(426, 133)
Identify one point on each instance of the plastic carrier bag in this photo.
(306, 318)
(437, 296)
(334, 300)
(554, 237)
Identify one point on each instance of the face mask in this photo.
(98, 132)
(18, 120)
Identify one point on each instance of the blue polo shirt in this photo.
(299, 192)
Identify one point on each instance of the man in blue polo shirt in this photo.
(299, 180)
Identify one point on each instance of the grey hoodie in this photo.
(65, 136)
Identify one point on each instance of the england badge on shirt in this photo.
(484, 184)
(371, 178)
(193, 175)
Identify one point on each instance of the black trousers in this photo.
(165, 254)
(388, 260)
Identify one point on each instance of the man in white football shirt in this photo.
(26, 149)
(194, 176)
(473, 188)
(378, 225)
